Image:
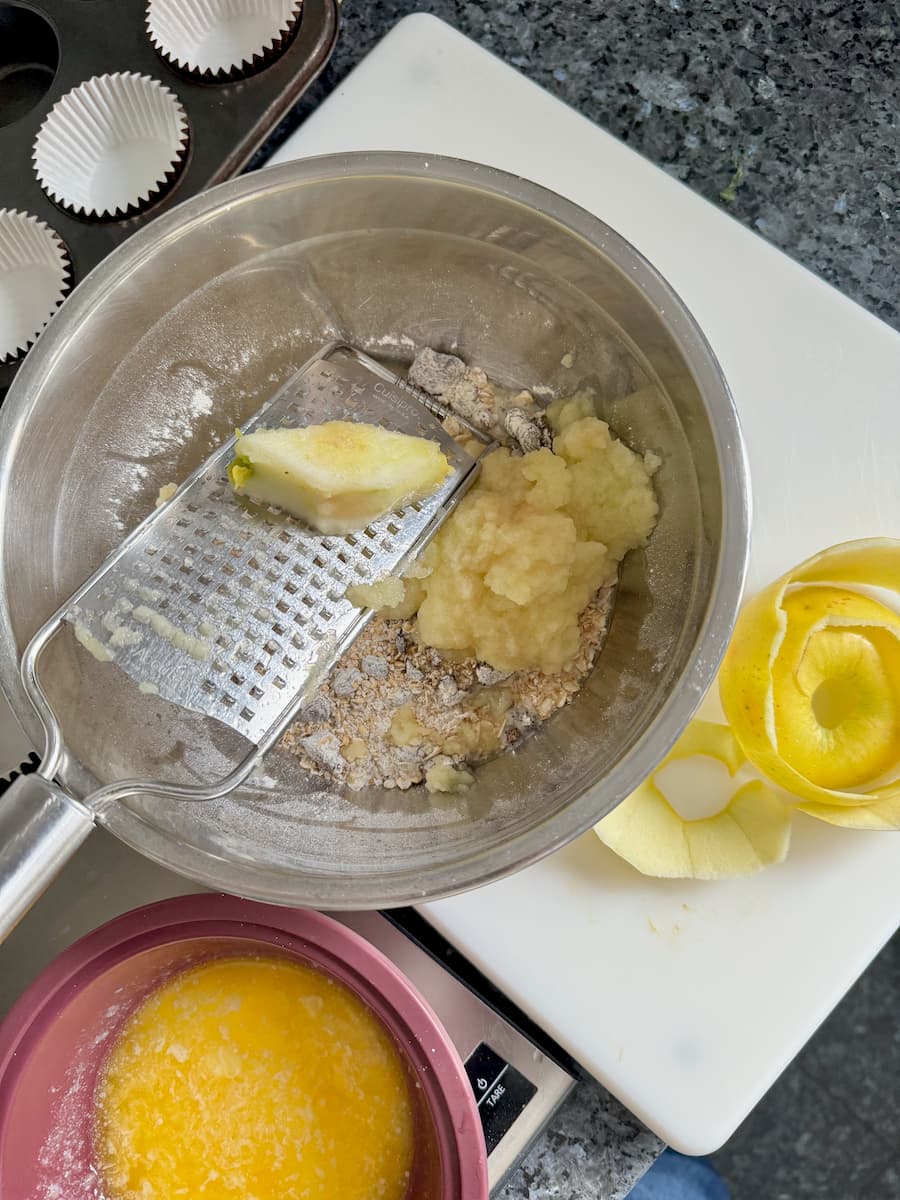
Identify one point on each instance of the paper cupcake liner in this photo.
(219, 40)
(111, 146)
(35, 275)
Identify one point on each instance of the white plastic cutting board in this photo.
(685, 999)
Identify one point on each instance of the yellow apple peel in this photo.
(810, 684)
(751, 831)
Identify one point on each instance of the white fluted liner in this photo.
(110, 144)
(219, 37)
(35, 275)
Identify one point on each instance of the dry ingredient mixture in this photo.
(518, 574)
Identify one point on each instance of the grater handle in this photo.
(40, 829)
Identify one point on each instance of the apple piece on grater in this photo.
(339, 476)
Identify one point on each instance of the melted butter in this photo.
(254, 1078)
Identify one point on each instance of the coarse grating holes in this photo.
(238, 680)
(367, 552)
(291, 588)
(245, 581)
(280, 682)
(228, 700)
(281, 607)
(279, 629)
(289, 662)
(247, 714)
(256, 692)
(227, 569)
(209, 686)
(259, 669)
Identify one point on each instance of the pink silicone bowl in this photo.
(53, 1043)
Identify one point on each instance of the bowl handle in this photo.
(40, 829)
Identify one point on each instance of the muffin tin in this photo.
(197, 85)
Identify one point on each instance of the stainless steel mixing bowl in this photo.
(186, 328)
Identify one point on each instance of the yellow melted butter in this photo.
(254, 1079)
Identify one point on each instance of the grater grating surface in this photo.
(238, 611)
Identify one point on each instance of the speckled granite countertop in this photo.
(783, 113)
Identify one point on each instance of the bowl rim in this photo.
(389, 888)
(326, 944)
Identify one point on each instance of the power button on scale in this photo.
(500, 1091)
